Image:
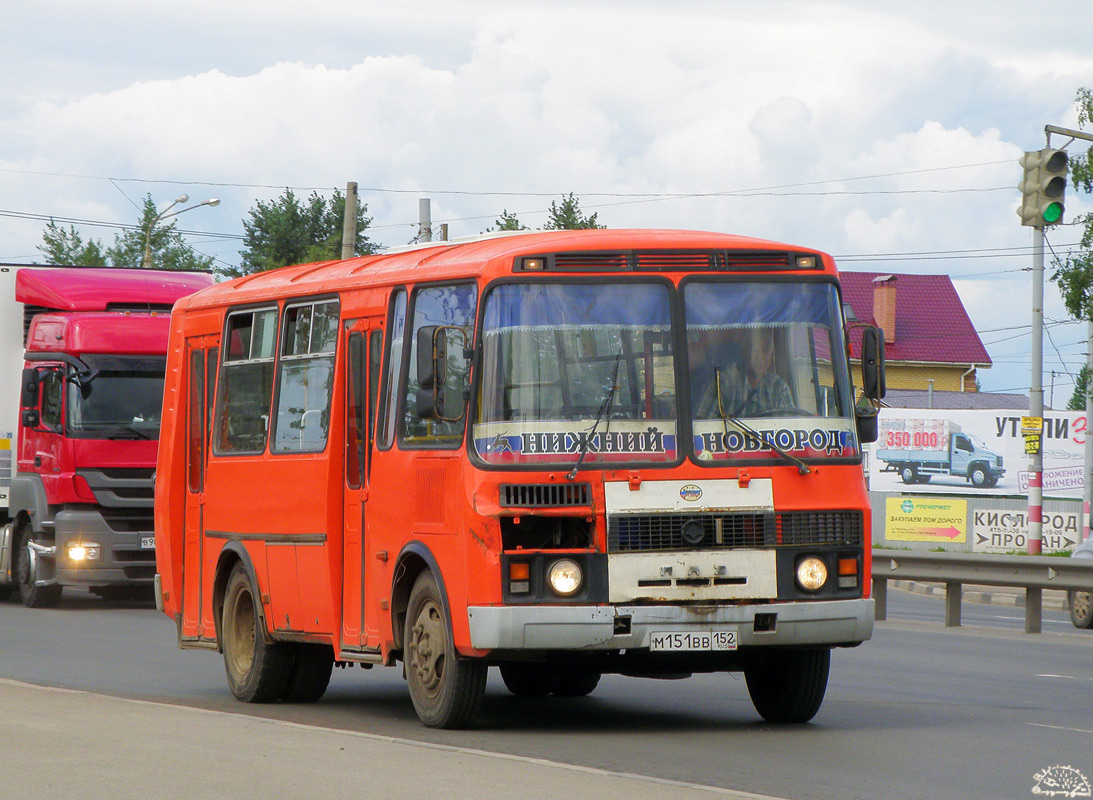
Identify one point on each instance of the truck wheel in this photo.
(1081, 609)
(788, 687)
(26, 573)
(525, 679)
(258, 672)
(310, 674)
(978, 476)
(908, 474)
(446, 689)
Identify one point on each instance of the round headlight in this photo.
(811, 574)
(565, 577)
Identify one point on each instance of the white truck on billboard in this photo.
(918, 449)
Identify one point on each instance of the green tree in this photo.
(507, 222)
(1077, 400)
(1074, 271)
(169, 249)
(568, 216)
(61, 246)
(287, 231)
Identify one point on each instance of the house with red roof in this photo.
(928, 336)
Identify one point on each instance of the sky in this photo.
(886, 134)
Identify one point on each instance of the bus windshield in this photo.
(574, 371)
(578, 373)
(121, 399)
(760, 365)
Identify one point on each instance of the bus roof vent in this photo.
(545, 495)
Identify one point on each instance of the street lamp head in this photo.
(212, 201)
(182, 198)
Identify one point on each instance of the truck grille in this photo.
(120, 487)
(631, 533)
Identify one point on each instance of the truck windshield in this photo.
(122, 399)
(760, 367)
(576, 370)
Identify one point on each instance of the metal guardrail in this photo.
(1031, 573)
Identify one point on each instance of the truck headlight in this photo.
(565, 577)
(811, 574)
(84, 551)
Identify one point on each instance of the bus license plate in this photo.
(700, 640)
(147, 542)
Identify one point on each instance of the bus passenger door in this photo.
(362, 365)
(201, 358)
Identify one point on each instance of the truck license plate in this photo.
(700, 640)
(147, 542)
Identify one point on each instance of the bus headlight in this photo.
(565, 577)
(811, 574)
(84, 551)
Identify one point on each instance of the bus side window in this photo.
(306, 377)
(392, 378)
(241, 418)
(450, 310)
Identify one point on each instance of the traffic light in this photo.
(1043, 187)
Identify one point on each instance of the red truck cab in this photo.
(90, 401)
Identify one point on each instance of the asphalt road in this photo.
(918, 712)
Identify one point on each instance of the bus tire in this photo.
(310, 674)
(789, 686)
(258, 671)
(446, 689)
(26, 573)
(1081, 608)
(577, 682)
(527, 679)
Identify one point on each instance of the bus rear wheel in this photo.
(258, 671)
(310, 674)
(788, 686)
(446, 689)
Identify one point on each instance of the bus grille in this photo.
(631, 533)
(545, 495)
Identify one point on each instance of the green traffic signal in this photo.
(1043, 187)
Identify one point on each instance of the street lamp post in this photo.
(146, 263)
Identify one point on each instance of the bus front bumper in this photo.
(821, 623)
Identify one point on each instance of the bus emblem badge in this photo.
(690, 492)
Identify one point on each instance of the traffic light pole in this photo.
(1036, 398)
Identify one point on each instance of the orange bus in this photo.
(561, 454)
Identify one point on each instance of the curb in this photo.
(988, 595)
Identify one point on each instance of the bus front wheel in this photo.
(258, 671)
(789, 686)
(446, 689)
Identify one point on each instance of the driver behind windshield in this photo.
(767, 390)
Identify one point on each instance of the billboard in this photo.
(937, 451)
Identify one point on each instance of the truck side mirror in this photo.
(28, 396)
(872, 363)
(866, 420)
(31, 419)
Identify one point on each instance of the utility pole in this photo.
(425, 220)
(1087, 484)
(349, 225)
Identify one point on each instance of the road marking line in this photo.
(1058, 727)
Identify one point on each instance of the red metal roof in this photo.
(93, 288)
(931, 323)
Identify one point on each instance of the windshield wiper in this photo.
(605, 408)
(130, 432)
(802, 467)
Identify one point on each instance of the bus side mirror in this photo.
(432, 356)
(865, 416)
(437, 397)
(872, 363)
(28, 397)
